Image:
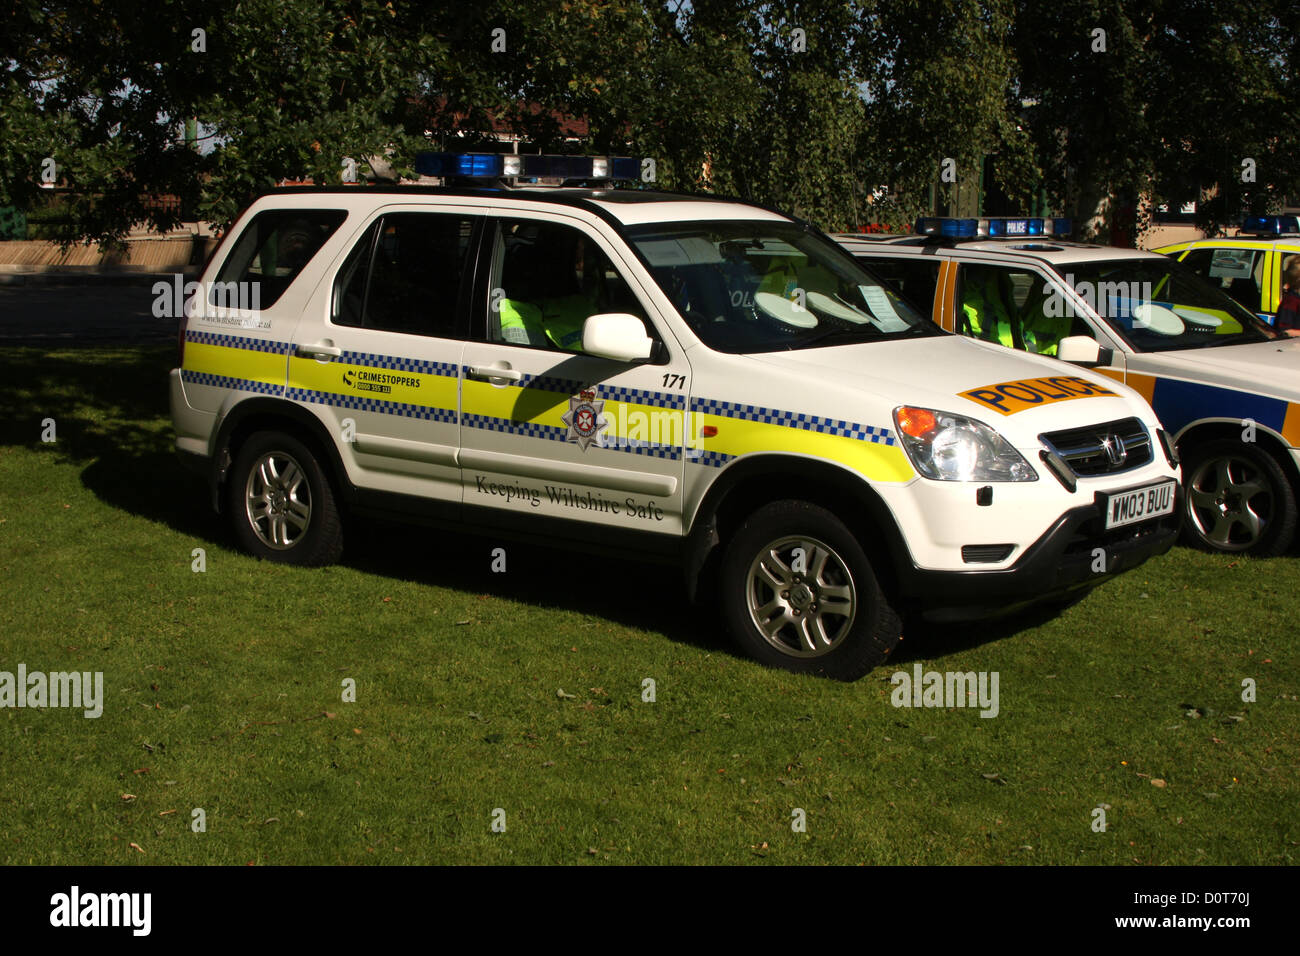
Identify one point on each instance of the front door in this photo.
(548, 431)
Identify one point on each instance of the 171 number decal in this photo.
(674, 381)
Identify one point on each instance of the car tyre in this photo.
(1237, 499)
(281, 502)
(820, 612)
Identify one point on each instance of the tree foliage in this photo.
(809, 105)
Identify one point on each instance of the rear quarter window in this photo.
(270, 253)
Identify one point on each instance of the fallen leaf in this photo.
(136, 846)
(563, 696)
(163, 813)
(1157, 782)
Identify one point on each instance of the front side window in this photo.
(405, 275)
(1015, 307)
(546, 281)
(272, 250)
(1157, 305)
(756, 286)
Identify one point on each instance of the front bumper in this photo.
(1074, 555)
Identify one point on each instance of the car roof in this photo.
(622, 206)
(1280, 242)
(1054, 252)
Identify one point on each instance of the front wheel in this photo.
(799, 593)
(1237, 499)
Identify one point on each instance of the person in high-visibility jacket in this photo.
(1045, 320)
(989, 313)
(557, 319)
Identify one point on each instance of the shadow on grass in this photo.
(112, 420)
(932, 640)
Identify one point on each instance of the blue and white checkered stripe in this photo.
(396, 363)
(226, 381)
(377, 405)
(710, 459)
(770, 416)
(237, 342)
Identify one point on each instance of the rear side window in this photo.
(271, 252)
(405, 274)
(1238, 272)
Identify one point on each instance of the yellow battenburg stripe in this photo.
(1007, 398)
(514, 403)
(368, 381)
(235, 362)
(875, 460)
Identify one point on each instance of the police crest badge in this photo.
(586, 420)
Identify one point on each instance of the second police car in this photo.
(697, 380)
(1247, 266)
(1225, 385)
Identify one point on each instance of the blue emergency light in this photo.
(526, 165)
(1014, 228)
(1001, 227)
(947, 227)
(1271, 225)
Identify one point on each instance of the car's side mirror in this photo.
(616, 335)
(1082, 350)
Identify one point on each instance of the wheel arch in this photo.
(272, 414)
(755, 480)
(1218, 429)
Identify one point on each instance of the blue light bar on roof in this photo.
(1000, 227)
(1270, 225)
(527, 165)
(946, 226)
(1014, 228)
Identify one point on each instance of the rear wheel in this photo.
(281, 502)
(1237, 499)
(799, 593)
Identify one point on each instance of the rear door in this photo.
(381, 364)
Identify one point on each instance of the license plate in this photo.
(1149, 501)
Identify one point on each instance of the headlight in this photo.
(948, 447)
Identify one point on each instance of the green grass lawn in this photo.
(223, 691)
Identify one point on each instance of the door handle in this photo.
(492, 371)
(319, 350)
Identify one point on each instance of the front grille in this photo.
(1105, 449)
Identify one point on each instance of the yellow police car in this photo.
(1225, 384)
(696, 380)
(1247, 266)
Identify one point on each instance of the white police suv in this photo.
(694, 379)
(1225, 384)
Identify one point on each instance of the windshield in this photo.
(1157, 305)
(766, 286)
